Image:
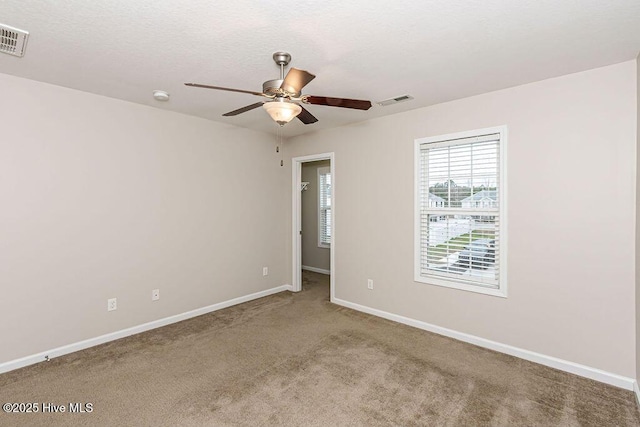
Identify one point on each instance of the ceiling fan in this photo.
(281, 94)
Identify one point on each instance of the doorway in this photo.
(322, 167)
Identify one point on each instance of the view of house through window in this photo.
(460, 223)
(324, 206)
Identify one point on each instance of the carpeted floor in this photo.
(298, 360)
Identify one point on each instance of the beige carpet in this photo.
(298, 360)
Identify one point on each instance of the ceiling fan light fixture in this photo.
(282, 112)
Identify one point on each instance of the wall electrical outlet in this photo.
(370, 283)
(112, 304)
(265, 271)
(155, 295)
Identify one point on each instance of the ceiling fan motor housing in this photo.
(272, 87)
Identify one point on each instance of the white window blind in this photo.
(324, 207)
(459, 220)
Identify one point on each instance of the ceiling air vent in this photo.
(395, 100)
(12, 40)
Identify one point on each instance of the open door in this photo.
(297, 229)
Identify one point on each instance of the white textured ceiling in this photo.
(367, 49)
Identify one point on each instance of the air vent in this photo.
(12, 40)
(395, 100)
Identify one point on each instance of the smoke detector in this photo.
(395, 100)
(161, 95)
(12, 40)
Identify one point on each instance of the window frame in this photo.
(326, 170)
(501, 290)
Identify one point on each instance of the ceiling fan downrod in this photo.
(282, 59)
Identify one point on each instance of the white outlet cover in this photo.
(369, 283)
(265, 271)
(112, 304)
(155, 294)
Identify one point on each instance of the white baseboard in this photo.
(636, 390)
(316, 270)
(553, 362)
(91, 342)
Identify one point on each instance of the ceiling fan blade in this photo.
(357, 104)
(306, 117)
(295, 80)
(224, 88)
(243, 109)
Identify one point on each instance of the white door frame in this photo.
(296, 170)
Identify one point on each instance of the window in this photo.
(324, 207)
(460, 225)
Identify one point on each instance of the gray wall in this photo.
(571, 278)
(312, 255)
(103, 198)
